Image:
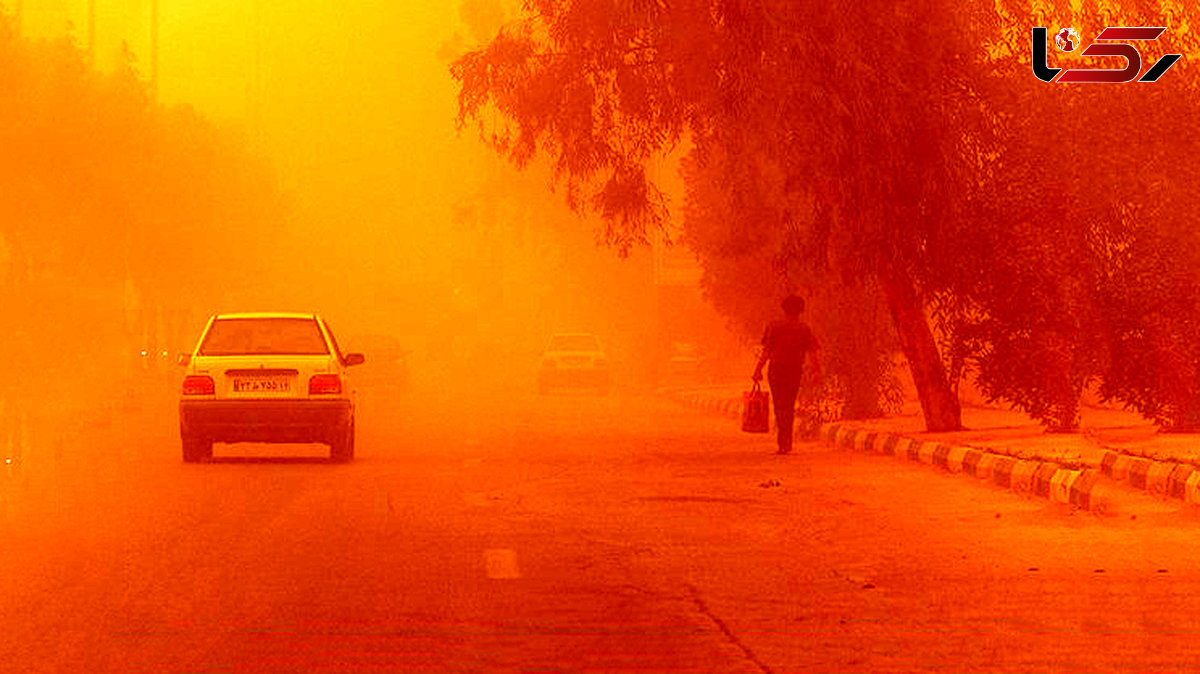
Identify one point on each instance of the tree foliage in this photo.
(1076, 222)
(859, 134)
(905, 147)
(99, 175)
(101, 187)
(748, 266)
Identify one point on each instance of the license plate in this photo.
(262, 385)
(576, 361)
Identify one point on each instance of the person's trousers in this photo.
(784, 379)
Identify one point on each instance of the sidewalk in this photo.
(1114, 451)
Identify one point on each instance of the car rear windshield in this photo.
(242, 336)
(574, 343)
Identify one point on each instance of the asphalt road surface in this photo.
(504, 531)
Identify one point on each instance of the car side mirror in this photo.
(183, 359)
(355, 359)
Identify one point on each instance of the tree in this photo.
(1075, 217)
(859, 354)
(102, 191)
(867, 111)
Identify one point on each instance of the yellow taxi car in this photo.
(267, 377)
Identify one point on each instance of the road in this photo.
(503, 531)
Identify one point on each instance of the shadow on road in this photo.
(275, 460)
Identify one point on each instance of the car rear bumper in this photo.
(264, 420)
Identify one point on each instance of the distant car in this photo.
(574, 360)
(684, 362)
(267, 377)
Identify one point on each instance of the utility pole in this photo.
(153, 49)
(256, 80)
(91, 19)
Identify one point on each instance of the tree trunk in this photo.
(938, 402)
(862, 378)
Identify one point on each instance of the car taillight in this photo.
(324, 384)
(198, 385)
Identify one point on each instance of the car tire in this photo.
(196, 449)
(341, 449)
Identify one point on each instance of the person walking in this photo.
(786, 344)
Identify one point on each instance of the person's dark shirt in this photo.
(787, 341)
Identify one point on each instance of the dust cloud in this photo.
(182, 159)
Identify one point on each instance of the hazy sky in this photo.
(347, 91)
(353, 107)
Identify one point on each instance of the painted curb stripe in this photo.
(849, 436)
(862, 441)
(954, 460)
(832, 431)
(1120, 468)
(840, 439)
(872, 442)
(1002, 472)
(1082, 487)
(1061, 484)
(1046, 479)
(835, 432)
(971, 462)
(987, 465)
(860, 434)
(889, 445)
(941, 456)
(1043, 477)
(1022, 475)
(1106, 462)
(1177, 483)
(1159, 476)
(1138, 468)
(1191, 493)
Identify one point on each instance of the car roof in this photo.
(266, 314)
(573, 334)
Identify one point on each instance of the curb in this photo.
(1070, 486)
(1075, 480)
(728, 408)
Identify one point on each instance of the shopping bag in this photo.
(756, 405)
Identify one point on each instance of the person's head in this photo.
(793, 305)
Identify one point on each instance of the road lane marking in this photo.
(501, 564)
